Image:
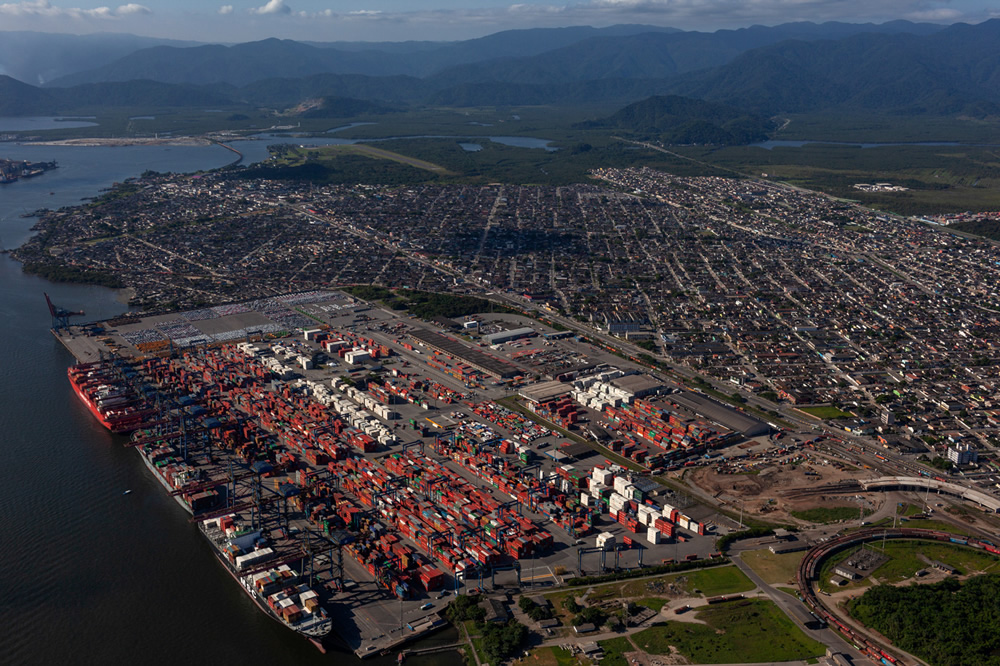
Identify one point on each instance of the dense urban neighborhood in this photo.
(782, 293)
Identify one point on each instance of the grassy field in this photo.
(828, 412)
(926, 524)
(549, 656)
(708, 582)
(614, 651)
(735, 632)
(833, 514)
(774, 569)
(329, 154)
(906, 559)
(654, 603)
(650, 592)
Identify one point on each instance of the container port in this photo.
(350, 473)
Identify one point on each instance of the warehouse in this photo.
(545, 391)
(490, 365)
(507, 336)
(725, 416)
(637, 386)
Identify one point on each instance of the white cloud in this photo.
(225, 10)
(273, 7)
(132, 8)
(939, 15)
(43, 8)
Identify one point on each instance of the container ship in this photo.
(187, 483)
(274, 586)
(100, 387)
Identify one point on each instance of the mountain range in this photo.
(897, 67)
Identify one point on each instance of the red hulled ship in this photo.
(117, 407)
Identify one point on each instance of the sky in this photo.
(232, 21)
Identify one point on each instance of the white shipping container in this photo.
(256, 556)
(603, 476)
(606, 540)
(245, 541)
(653, 535)
(585, 499)
(620, 484)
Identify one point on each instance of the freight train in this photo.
(809, 569)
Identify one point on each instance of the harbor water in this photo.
(89, 574)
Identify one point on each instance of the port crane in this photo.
(60, 316)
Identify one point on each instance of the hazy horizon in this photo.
(450, 20)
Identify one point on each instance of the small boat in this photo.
(127, 492)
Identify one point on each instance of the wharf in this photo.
(85, 348)
(372, 622)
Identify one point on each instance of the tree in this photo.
(500, 641)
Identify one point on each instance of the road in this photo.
(798, 612)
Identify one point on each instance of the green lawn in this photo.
(832, 514)
(654, 603)
(906, 559)
(828, 412)
(723, 580)
(736, 632)
(710, 582)
(774, 569)
(614, 651)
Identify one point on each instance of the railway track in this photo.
(809, 568)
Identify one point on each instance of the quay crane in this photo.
(60, 317)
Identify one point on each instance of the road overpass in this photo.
(931, 484)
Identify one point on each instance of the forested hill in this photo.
(950, 623)
(682, 120)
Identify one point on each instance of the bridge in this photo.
(932, 484)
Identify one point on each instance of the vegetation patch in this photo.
(949, 623)
(614, 651)
(773, 569)
(645, 571)
(653, 603)
(908, 557)
(832, 514)
(736, 632)
(826, 412)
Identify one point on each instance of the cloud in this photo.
(273, 7)
(939, 15)
(225, 10)
(45, 9)
(132, 8)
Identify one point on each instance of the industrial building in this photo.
(506, 336)
(721, 414)
(490, 365)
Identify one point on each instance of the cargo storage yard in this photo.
(378, 462)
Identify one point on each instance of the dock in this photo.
(387, 479)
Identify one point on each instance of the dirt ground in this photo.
(762, 487)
